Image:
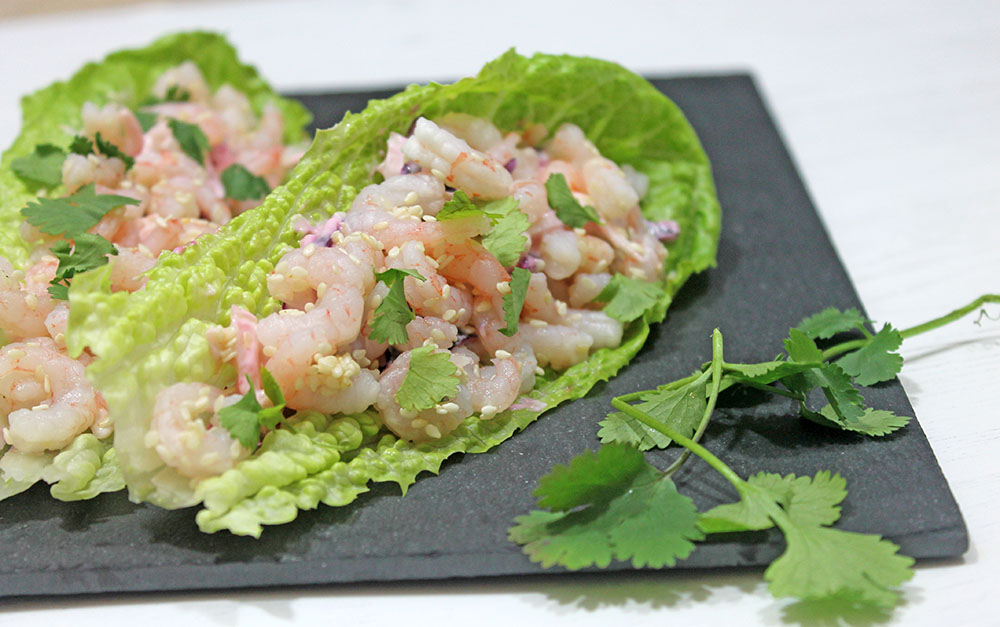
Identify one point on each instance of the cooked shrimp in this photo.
(24, 298)
(116, 124)
(442, 333)
(44, 396)
(586, 287)
(185, 76)
(185, 430)
(429, 424)
(456, 162)
(128, 268)
(80, 170)
(610, 191)
(433, 296)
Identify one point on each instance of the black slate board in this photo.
(776, 265)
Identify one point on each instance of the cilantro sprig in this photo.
(567, 208)
(245, 418)
(506, 239)
(614, 505)
(71, 217)
(393, 313)
(431, 377)
(242, 184)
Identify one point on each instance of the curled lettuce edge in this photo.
(156, 336)
(125, 77)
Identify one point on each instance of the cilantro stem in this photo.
(710, 407)
(950, 317)
(930, 325)
(772, 390)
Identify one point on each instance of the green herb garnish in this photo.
(393, 313)
(242, 184)
(568, 209)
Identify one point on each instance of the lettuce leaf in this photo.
(48, 117)
(126, 77)
(152, 340)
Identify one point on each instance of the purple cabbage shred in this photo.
(665, 230)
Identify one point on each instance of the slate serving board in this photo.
(776, 265)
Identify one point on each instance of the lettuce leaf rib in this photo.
(153, 343)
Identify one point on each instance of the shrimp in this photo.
(185, 76)
(613, 196)
(433, 296)
(586, 287)
(478, 133)
(429, 424)
(45, 398)
(456, 162)
(186, 433)
(330, 285)
(492, 389)
(128, 268)
(116, 124)
(420, 329)
(156, 233)
(560, 250)
(24, 298)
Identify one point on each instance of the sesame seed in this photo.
(503, 287)
(449, 315)
(269, 351)
(539, 370)
(538, 323)
(502, 354)
(488, 411)
(411, 198)
(380, 226)
(483, 306)
(432, 431)
(430, 218)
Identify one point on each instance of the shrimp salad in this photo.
(435, 273)
(163, 195)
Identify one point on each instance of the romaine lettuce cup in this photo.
(157, 337)
(87, 466)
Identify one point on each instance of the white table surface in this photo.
(891, 112)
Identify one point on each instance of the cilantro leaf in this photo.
(73, 214)
(628, 298)
(566, 206)
(820, 562)
(43, 166)
(87, 252)
(191, 139)
(146, 120)
(430, 378)
(513, 301)
(459, 206)
(875, 361)
(766, 372)
(506, 240)
(111, 151)
(393, 313)
(59, 291)
(874, 422)
(625, 509)
(680, 409)
(844, 398)
(244, 418)
(832, 321)
(242, 184)
(271, 416)
(81, 145)
(802, 348)
(176, 93)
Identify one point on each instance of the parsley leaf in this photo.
(513, 301)
(506, 240)
(832, 321)
(191, 139)
(109, 150)
(610, 505)
(43, 166)
(567, 208)
(242, 184)
(681, 409)
(430, 378)
(628, 298)
(875, 361)
(73, 214)
(244, 418)
(393, 313)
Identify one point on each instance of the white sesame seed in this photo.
(502, 354)
(503, 287)
(539, 370)
(411, 198)
(538, 323)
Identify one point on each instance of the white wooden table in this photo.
(891, 112)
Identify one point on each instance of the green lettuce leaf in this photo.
(48, 115)
(84, 469)
(126, 77)
(153, 338)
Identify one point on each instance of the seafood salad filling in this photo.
(137, 183)
(477, 265)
